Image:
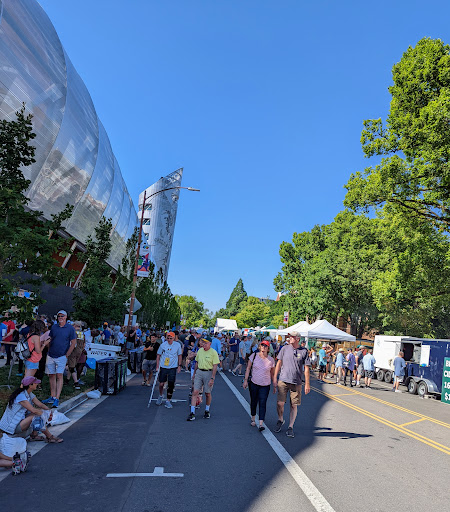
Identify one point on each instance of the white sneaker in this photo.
(168, 404)
(160, 400)
(398, 391)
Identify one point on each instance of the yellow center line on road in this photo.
(411, 422)
(442, 448)
(438, 422)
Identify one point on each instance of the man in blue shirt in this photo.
(399, 371)
(339, 365)
(63, 341)
(369, 368)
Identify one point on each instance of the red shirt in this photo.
(10, 325)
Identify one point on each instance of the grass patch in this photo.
(67, 392)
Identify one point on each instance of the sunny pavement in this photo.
(352, 459)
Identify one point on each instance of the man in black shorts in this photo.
(149, 363)
(168, 360)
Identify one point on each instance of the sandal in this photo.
(143, 384)
(54, 439)
(253, 423)
(36, 438)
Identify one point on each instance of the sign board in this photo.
(445, 395)
(133, 321)
(425, 355)
(137, 305)
(286, 317)
(167, 324)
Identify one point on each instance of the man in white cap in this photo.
(63, 341)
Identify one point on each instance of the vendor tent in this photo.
(300, 327)
(323, 329)
(225, 324)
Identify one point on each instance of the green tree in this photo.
(237, 297)
(26, 243)
(95, 301)
(252, 313)
(414, 144)
(193, 310)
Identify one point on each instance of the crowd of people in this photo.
(58, 348)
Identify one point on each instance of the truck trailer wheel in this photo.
(380, 374)
(412, 386)
(422, 388)
(388, 376)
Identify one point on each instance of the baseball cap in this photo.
(27, 381)
(268, 338)
(62, 312)
(294, 333)
(171, 334)
(206, 340)
(249, 335)
(265, 342)
(199, 331)
(341, 350)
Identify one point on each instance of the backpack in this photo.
(23, 350)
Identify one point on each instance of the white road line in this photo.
(316, 498)
(158, 471)
(174, 400)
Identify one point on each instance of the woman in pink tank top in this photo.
(261, 367)
(36, 344)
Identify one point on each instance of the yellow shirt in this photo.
(206, 359)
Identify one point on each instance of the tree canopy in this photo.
(413, 145)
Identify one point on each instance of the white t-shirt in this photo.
(169, 354)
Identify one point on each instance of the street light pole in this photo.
(133, 289)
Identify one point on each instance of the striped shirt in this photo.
(16, 413)
(261, 367)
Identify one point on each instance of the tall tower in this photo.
(159, 217)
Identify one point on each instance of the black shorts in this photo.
(322, 368)
(167, 374)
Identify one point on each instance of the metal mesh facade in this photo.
(74, 160)
(160, 215)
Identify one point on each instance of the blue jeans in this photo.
(258, 395)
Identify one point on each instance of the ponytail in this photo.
(15, 394)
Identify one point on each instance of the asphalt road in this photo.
(372, 450)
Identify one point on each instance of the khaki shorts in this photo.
(202, 379)
(295, 392)
(18, 432)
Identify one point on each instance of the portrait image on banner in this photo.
(143, 260)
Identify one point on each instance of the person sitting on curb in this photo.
(23, 407)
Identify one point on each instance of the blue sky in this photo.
(261, 102)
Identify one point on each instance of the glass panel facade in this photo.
(74, 160)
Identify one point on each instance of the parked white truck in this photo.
(424, 358)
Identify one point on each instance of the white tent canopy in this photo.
(300, 327)
(225, 324)
(323, 329)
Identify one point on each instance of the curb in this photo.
(73, 402)
(77, 400)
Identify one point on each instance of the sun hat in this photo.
(27, 381)
(341, 350)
